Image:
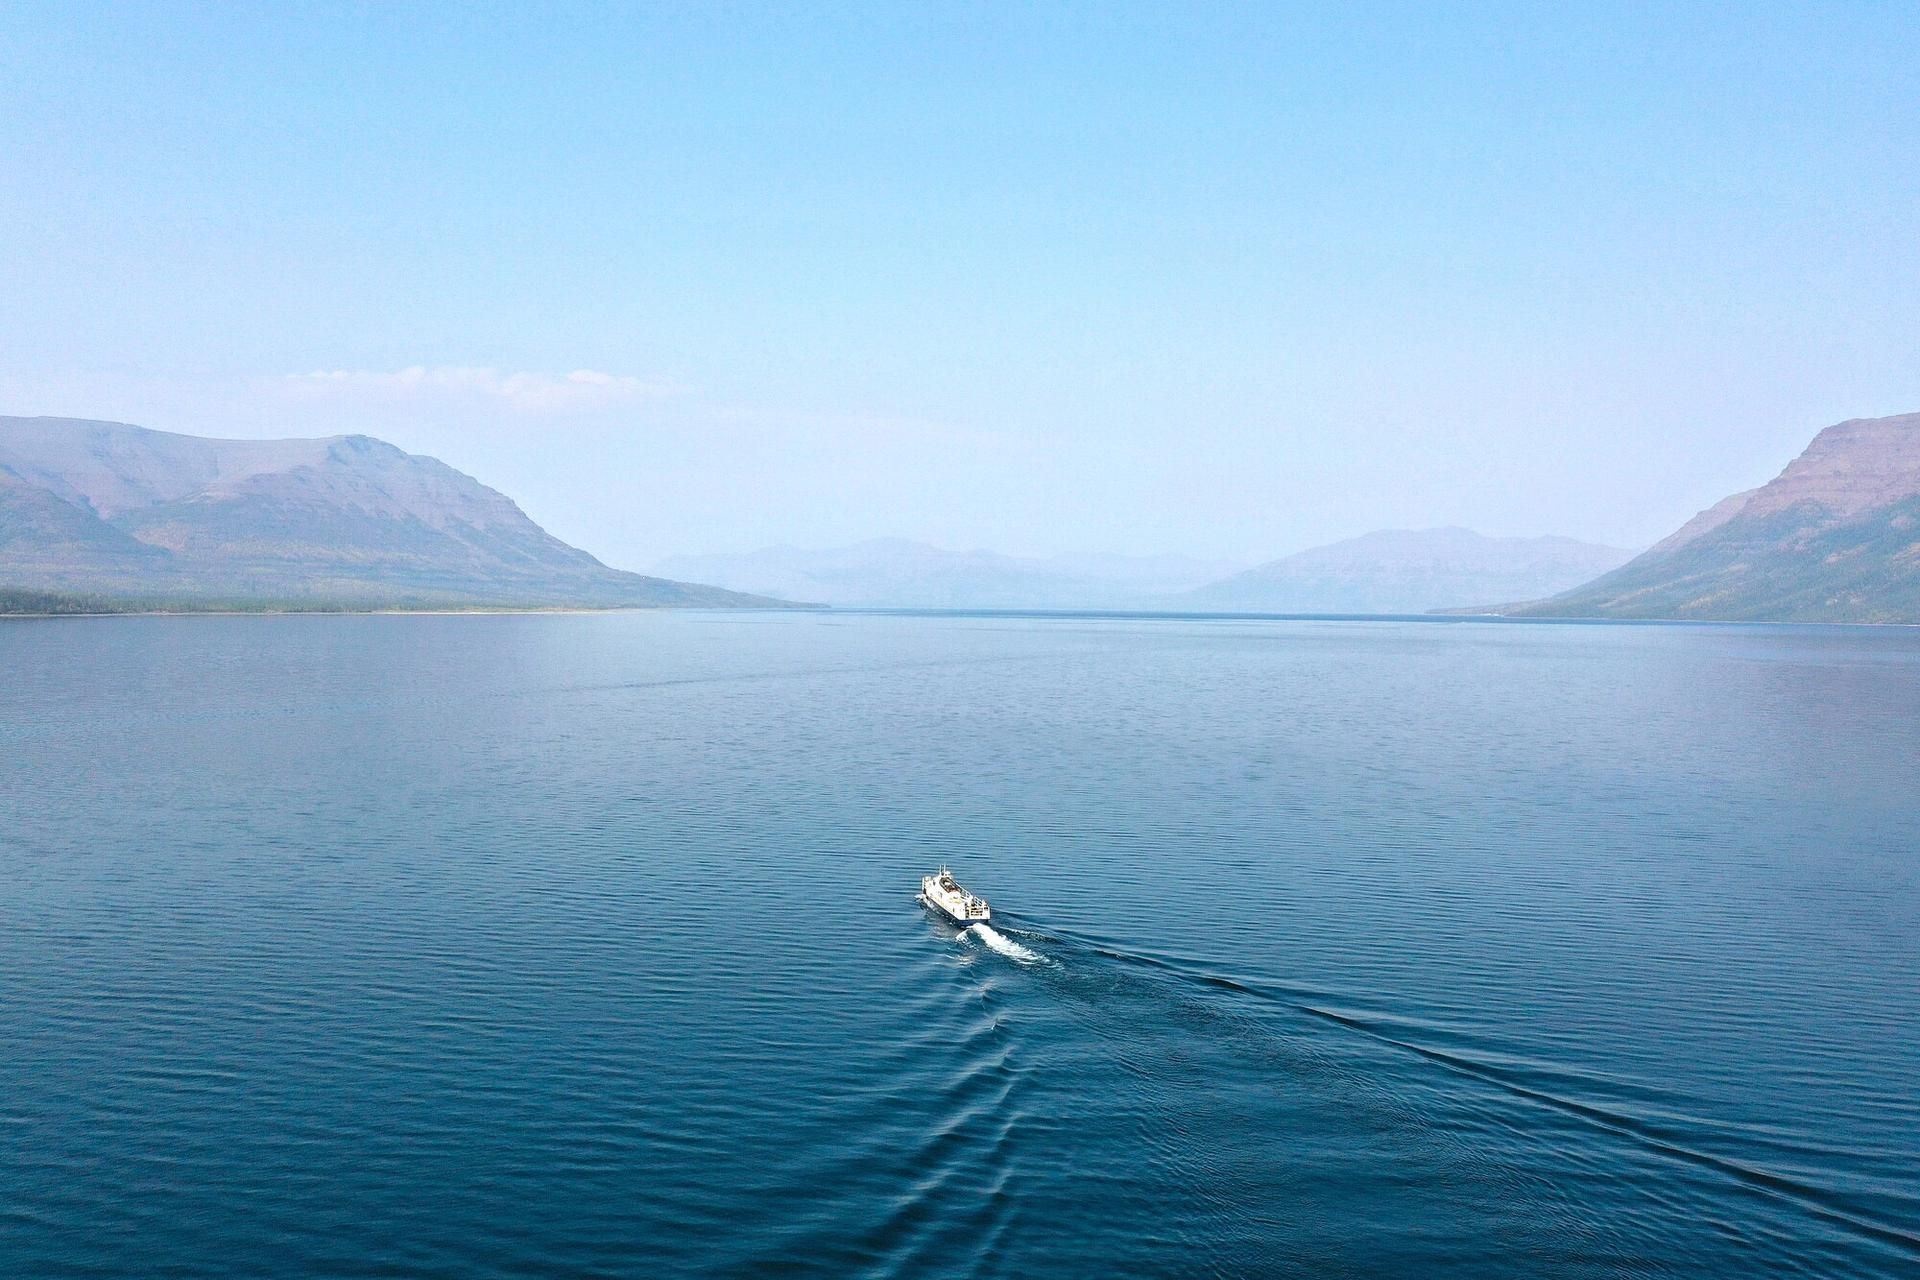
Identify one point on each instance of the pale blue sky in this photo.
(1225, 280)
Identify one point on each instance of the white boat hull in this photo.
(956, 904)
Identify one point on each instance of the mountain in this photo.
(1834, 538)
(107, 508)
(892, 572)
(1407, 571)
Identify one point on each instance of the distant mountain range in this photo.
(895, 573)
(1834, 538)
(102, 513)
(119, 511)
(1407, 571)
(1389, 572)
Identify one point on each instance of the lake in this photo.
(588, 945)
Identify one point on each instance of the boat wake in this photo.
(1003, 944)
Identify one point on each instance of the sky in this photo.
(1219, 280)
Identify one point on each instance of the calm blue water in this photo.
(543, 946)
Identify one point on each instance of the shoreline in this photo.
(485, 611)
(1041, 614)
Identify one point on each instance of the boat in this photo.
(944, 894)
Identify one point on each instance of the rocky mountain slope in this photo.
(1834, 538)
(104, 507)
(1408, 571)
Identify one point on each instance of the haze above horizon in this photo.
(1209, 282)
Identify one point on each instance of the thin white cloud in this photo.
(521, 392)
